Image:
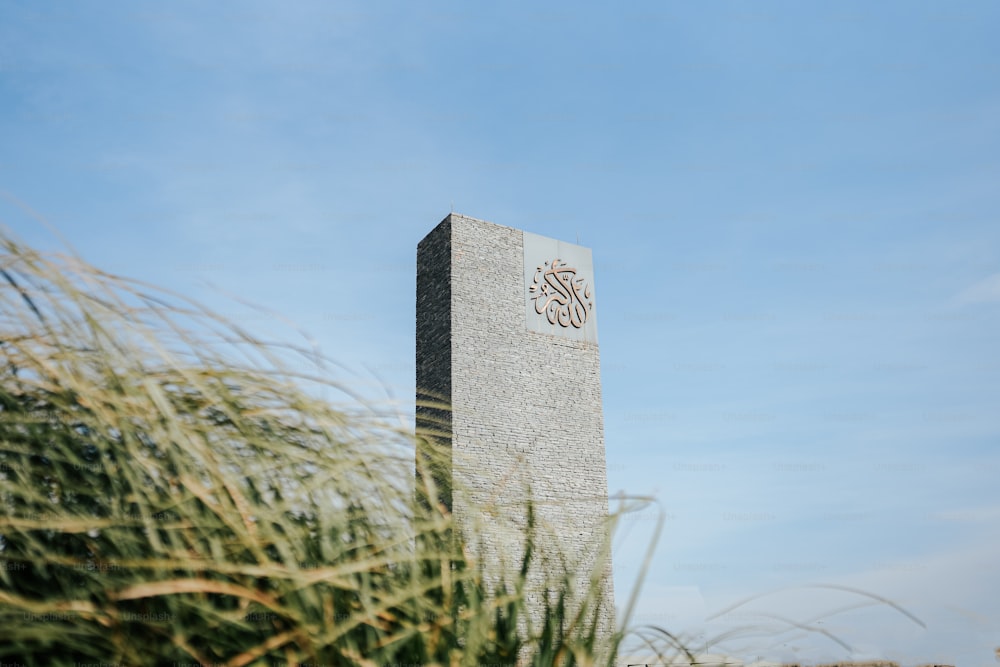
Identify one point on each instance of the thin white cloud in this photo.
(985, 291)
(931, 607)
(989, 515)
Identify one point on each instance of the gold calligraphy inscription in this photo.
(560, 295)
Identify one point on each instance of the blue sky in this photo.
(793, 209)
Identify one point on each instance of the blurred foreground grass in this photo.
(173, 493)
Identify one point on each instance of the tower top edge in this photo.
(461, 218)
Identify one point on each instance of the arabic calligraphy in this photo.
(563, 298)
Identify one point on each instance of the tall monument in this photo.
(507, 337)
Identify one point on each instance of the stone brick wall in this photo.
(526, 411)
(434, 350)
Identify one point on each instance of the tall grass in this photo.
(171, 492)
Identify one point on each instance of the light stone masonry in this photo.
(512, 348)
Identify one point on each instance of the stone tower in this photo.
(507, 336)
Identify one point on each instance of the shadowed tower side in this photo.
(433, 362)
(507, 336)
